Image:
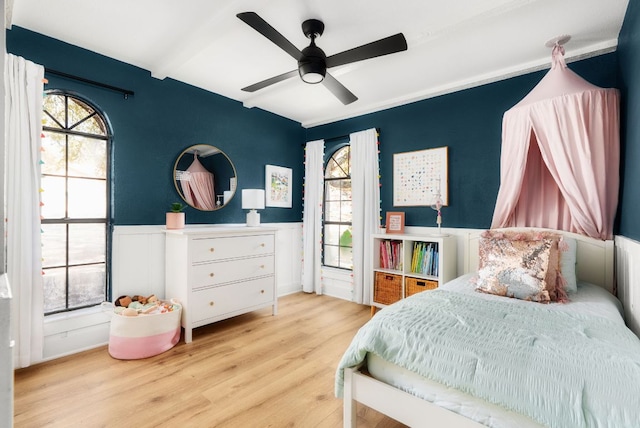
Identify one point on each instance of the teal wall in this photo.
(469, 123)
(629, 54)
(164, 117)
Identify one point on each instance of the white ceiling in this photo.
(451, 44)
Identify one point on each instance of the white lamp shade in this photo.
(252, 199)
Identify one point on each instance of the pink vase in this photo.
(175, 220)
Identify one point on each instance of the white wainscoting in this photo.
(337, 283)
(138, 267)
(628, 280)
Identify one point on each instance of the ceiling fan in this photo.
(312, 61)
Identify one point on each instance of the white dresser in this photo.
(219, 272)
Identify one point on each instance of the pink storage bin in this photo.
(144, 336)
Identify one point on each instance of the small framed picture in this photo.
(278, 186)
(395, 222)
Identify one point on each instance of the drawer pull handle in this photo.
(212, 249)
(262, 245)
(261, 266)
(211, 303)
(211, 274)
(261, 291)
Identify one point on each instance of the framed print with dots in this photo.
(419, 177)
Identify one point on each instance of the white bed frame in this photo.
(595, 264)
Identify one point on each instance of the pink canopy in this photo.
(560, 156)
(197, 186)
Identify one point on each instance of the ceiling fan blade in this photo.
(388, 45)
(338, 89)
(270, 81)
(262, 27)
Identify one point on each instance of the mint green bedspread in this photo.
(561, 369)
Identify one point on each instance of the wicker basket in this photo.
(416, 285)
(387, 288)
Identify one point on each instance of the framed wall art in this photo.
(420, 177)
(395, 222)
(278, 186)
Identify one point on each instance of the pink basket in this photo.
(144, 336)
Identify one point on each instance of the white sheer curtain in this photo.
(365, 191)
(312, 217)
(23, 124)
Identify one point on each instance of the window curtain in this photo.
(312, 217)
(365, 191)
(560, 157)
(23, 124)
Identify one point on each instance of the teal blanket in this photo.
(561, 369)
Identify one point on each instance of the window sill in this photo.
(75, 320)
(74, 314)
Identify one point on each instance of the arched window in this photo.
(75, 211)
(337, 210)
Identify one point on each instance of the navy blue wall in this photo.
(164, 117)
(629, 54)
(469, 123)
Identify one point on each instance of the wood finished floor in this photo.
(255, 370)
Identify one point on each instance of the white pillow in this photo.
(568, 261)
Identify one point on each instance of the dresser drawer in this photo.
(214, 302)
(217, 273)
(210, 249)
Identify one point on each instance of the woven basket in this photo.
(387, 288)
(415, 285)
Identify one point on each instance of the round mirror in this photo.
(204, 177)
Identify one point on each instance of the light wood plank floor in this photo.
(255, 370)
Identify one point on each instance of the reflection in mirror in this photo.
(204, 177)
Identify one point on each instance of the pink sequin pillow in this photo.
(522, 265)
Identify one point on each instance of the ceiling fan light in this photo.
(310, 74)
(312, 65)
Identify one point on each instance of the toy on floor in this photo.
(132, 306)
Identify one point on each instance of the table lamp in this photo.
(252, 200)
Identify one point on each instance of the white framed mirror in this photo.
(204, 177)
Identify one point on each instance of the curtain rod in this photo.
(340, 137)
(125, 92)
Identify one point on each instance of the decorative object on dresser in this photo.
(176, 217)
(406, 264)
(219, 272)
(252, 200)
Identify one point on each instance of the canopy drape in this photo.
(559, 166)
(197, 186)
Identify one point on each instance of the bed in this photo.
(488, 360)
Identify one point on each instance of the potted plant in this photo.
(175, 218)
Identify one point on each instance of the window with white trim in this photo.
(336, 245)
(75, 211)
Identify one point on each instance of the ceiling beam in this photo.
(189, 45)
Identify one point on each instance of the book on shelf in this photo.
(391, 254)
(424, 259)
